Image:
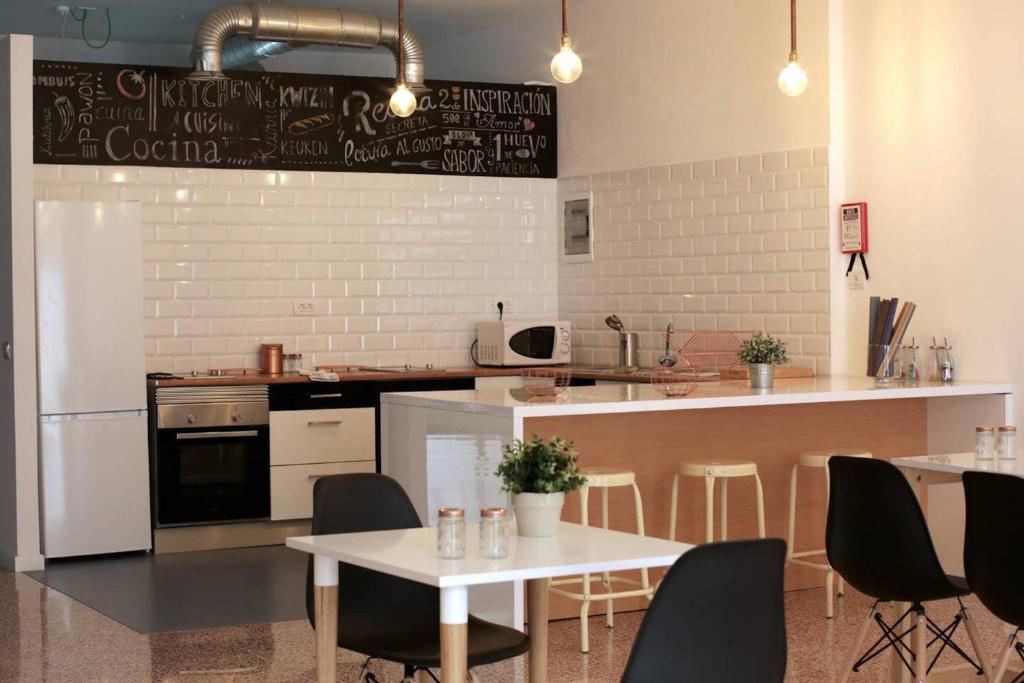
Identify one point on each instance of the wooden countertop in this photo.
(371, 375)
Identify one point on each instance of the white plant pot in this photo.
(538, 514)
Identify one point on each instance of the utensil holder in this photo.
(629, 346)
(878, 354)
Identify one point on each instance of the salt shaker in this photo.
(942, 362)
(1006, 442)
(451, 533)
(494, 533)
(984, 443)
(911, 370)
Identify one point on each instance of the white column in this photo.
(19, 528)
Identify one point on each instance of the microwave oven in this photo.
(506, 342)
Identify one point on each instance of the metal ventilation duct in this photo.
(277, 28)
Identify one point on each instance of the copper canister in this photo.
(271, 358)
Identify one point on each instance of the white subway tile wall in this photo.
(400, 267)
(739, 243)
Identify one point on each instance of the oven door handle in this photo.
(217, 435)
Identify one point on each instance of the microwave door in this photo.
(534, 343)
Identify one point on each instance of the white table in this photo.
(943, 469)
(927, 470)
(412, 554)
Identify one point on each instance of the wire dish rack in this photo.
(709, 350)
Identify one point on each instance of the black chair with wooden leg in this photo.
(877, 539)
(718, 617)
(387, 617)
(994, 555)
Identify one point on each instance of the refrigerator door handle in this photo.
(217, 435)
(8, 351)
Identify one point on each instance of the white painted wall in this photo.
(665, 81)
(934, 140)
(19, 494)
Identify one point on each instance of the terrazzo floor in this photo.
(46, 636)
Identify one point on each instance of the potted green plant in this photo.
(762, 352)
(538, 473)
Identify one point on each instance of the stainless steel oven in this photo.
(211, 455)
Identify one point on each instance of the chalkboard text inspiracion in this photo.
(109, 114)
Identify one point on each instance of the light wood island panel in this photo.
(651, 443)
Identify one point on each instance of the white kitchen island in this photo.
(444, 447)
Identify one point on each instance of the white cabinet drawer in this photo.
(299, 437)
(291, 486)
(508, 382)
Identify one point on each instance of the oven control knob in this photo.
(236, 417)
(191, 419)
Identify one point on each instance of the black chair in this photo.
(877, 539)
(718, 617)
(993, 555)
(383, 616)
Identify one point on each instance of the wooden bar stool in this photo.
(605, 478)
(709, 471)
(820, 460)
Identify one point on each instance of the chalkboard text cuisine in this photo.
(111, 114)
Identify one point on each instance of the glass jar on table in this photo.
(451, 533)
(1006, 442)
(984, 443)
(494, 533)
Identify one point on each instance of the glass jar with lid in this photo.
(451, 533)
(984, 443)
(494, 533)
(292, 363)
(1006, 442)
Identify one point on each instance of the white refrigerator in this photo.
(94, 455)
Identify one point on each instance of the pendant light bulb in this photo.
(566, 66)
(403, 101)
(793, 79)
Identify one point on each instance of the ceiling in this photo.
(173, 21)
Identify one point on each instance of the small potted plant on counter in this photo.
(538, 474)
(762, 352)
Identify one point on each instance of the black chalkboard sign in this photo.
(110, 114)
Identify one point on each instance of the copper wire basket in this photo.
(709, 350)
(546, 382)
(673, 384)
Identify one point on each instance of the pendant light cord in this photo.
(565, 17)
(401, 41)
(85, 38)
(792, 26)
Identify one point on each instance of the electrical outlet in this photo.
(507, 307)
(306, 307)
(855, 280)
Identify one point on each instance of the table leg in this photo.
(537, 613)
(325, 609)
(454, 634)
(898, 672)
